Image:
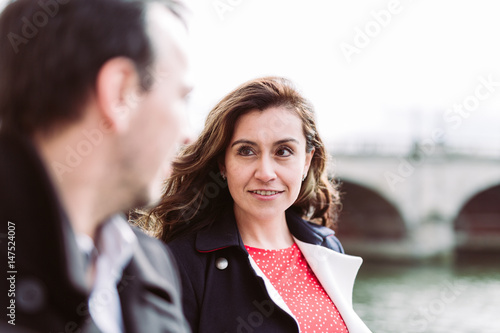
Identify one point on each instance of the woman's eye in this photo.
(245, 151)
(284, 152)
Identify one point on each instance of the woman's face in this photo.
(265, 163)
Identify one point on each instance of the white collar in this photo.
(114, 248)
(116, 242)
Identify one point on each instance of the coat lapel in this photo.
(336, 272)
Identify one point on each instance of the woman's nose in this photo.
(265, 170)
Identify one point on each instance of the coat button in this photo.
(221, 263)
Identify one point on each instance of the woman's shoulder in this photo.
(313, 233)
(298, 224)
(320, 229)
(330, 240)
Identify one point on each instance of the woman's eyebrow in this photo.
(248, 142)
(252, 143)
(279, 142)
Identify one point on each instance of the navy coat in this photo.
(223, 290)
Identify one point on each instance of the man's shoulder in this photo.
(145, 239)
(151, 258)
(150, 286)
(155, 249)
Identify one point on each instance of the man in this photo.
(92, 101)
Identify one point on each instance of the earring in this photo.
(223, 176)
(304, 176)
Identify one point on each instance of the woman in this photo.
(233, 213)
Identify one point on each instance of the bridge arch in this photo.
(367, 214)
(477, 225)
(463, 191)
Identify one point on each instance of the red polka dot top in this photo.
(291, 276)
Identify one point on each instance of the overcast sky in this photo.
(383, 71)
(376, 71)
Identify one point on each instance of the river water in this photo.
(452, 298)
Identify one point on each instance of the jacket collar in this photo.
(223, 233)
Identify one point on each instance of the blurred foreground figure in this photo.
(92, 101)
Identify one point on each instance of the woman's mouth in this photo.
(266, 192)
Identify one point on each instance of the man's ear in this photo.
(117, 92)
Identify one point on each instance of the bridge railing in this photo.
(344, 148)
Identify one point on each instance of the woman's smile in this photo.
(264, 166)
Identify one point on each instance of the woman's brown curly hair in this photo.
(195, 193)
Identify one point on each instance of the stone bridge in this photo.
(428, 202)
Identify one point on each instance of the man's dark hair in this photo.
(52, 50)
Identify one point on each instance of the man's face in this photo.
(158, 123)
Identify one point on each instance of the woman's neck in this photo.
(270, 234)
